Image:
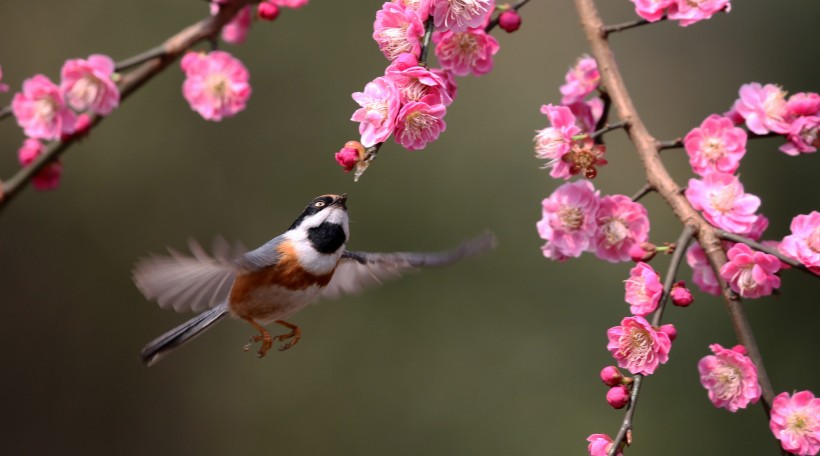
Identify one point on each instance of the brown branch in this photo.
(645, 190)
(607, 128)
(762, 248)
(628, 25)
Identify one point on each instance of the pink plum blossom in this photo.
(553, 142)
(420, 122)
(397, 30)
(730, 377)
(568, 222)
(581, 80)
(216, 84)
(600, 444)
(643, 289)
(680, 295)
(88, 84)
(690, 11)
(470, 51)
(763, 107)
(795, 421)
(41, 110)
(802, 136)
(621, 223)
(421, 7)
(803, 244)
(415, 82)
(803, 104)
(652, 10)
(702, 273)
(751, 274)
(717, 145)
(449, 81)
(47, 178)
(509, 20)
(379, 107)
(3, 87)
(460, 15)
(724, 204)
(293, 4)
(637, 346)
(236, 31)
(587, 113)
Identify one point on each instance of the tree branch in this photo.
(725, 235)
(606, 30)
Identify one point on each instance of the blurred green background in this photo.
(498, 355)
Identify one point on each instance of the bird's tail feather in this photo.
(183, 333)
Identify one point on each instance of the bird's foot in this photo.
(263, 336)
(292, 337)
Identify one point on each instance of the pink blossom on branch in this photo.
(397, 30)
(235, 31)
(795, 421)
(581, 80)
(89, 85)
(621, 224)
(802, 136)
(803, 244)
(724, 204)
(216, 84)
(600, 444)
(47, 178)
(568, 222)
(751, 274)
(420, 122)
(379, 107)
(415, 82)
(470, 51)
(717, 145)
(652, 10)
(730, 377)
(460, 15)
(643, 289)
(637, 346)
(763, 108)
(421, 7)
(553, 143)
(702, 273)
(587, 113)
(41, 110)
(690, 11)
(803, 104)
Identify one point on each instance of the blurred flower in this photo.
(459, 15)
(587, 113)
(379, 106)
(294, 4)
(795, 421)
(652, 10)
(643, 289)
(621, 223)
(803, 244)
(802, 136)
(803, 104)
(216, 84)
(581, 80)
(717, 145)
(41, 110)
(637, 346)
(690, 11)
(470, 51)
(763, 107)
(397, 30)
(267, 11)
(730, 377)
(600, 444)
(88, 84)
(724, 204)
(3, 87)
(47, 178)
(751, 274)
(236, 30)
(568, 220)
(421, 7)
(702, 273)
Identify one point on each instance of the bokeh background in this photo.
(498, 355)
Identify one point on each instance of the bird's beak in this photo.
(340, 200)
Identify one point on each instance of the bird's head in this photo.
(324, 222)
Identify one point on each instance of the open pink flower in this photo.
(420, 122)
(415, 82)
(751, 274)
(717, 145)
(47, 178)
(216, 84)
(621, 224)
(795, 421)
(88, 84)
(730, 377)
(724, 204)
(581, 80)
(568, 220)
(470, 51)
(637, 346)
(587, 113)
(397, 30)
(553, 142)
(379, 107)
(802, 136)
(643, 289)
(763, 107)
(421, 7)
(3, 87)
(702, 273)
(804, 243)
(690, 11)
(449, 79)
(803, 104)
(459, 15)
(41, 110)
(652, 10)
(600, 444)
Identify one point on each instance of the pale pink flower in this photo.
(459, 15)
(717, 145)
(294, 4)
(802, 136)
(803, 244)
(643, 289)
(763, 107)
(3, 87)
(420, 122)
(470, 51)
(587, 113)
(702, 273)
(795, 421)
(41, 110)
(415, 82)
(621, 223)
(803, 104)
(216, 84)
(421, 7)
(652, 10)
(397, 30)
(88, 84)
(581, 80)
(637, 346)
(690, 11)
(568, 220)
(47, 178)
(553, 142)
(724, 204)
(730, 377)
(751, 274)
(379, 107)
(600, 444)
(236, 31)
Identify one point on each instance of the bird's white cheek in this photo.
(314, 262)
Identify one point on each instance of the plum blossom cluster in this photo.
(686, 12)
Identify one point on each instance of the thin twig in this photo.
(671, 144)
(425, 43)
(725, 235)
(645, 190)
(5, 112)
(493, 23)
(606, 30)
(140, 58)
(609, 127)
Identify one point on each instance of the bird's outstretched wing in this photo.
(196, 282)
(359, 270)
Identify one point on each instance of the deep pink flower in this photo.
(379, 107)
(652, 10)
(509, 20)
(763, 107)
(690, 11)
(611, 376)
(82, 125)
(644, 251)
(216, 84)
(702, 273)
(415, 82)
(88, 84)
(553, 142)
(470, 51)
(643, 289)
(802, 136)
(621, 223)
(420, 122)
(587, 113)
(41, 111)
(350, 155)
(730, 377)
(397, 30)
(600, 444)
(581, 80)
(803, 244)
(795, 421)
(3, 87)
(294, 4)
(421, 7)
(724, 204)
(751, 274)
(47, 178)
(803, 104)
(236, 30)
(618, 396)
(680, 295)
(717, 145)
(449, 79)
(568, 220)
(637, 346)
(459, 15)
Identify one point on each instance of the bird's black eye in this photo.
(319, 204)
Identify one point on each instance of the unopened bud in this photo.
(681, 296)
(509, 21)
(611, 376)
(618, 396)
(267, 11)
